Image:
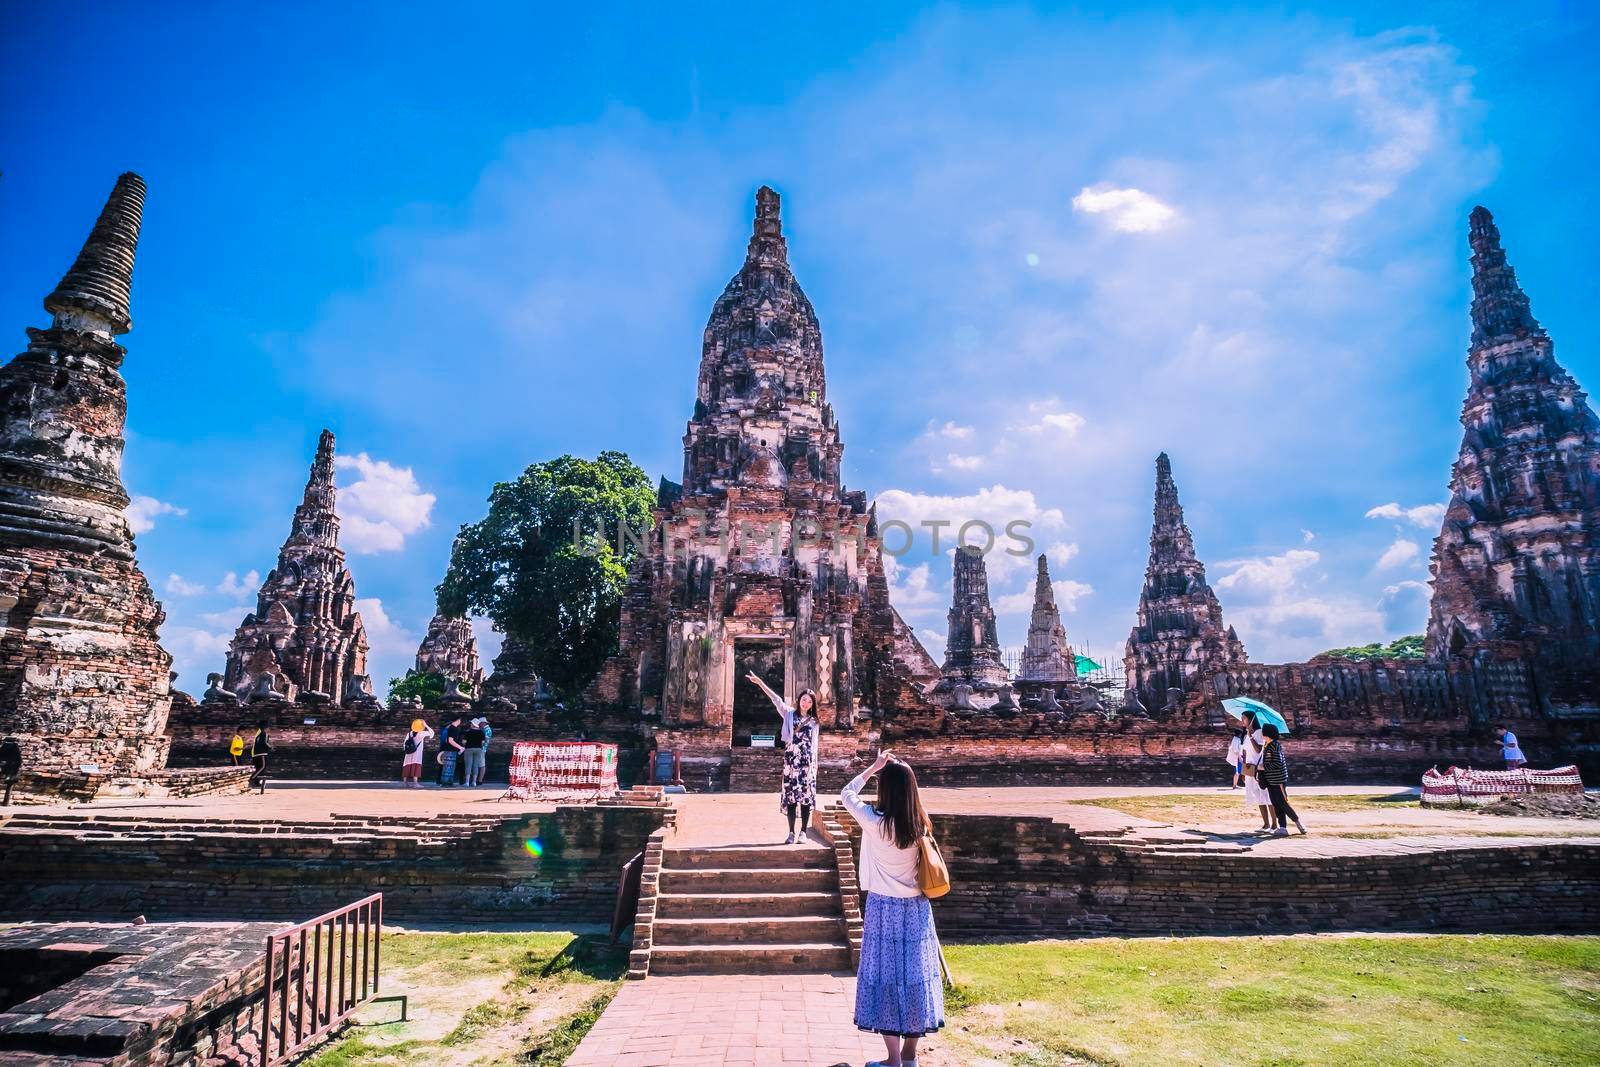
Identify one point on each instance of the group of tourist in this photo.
(462, 756)
(1256, 757)
(899, 986)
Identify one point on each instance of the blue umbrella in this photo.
(1238, 706)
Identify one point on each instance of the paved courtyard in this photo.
(728, 1020)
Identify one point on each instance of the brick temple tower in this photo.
(450, 649)
(1517, 563)
(972, 646)
(1179, 632)
(305, 632)
(82, 677)
(1046, 657)
(760, 560)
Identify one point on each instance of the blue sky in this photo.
(1044, 244)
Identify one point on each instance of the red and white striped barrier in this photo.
(1464, 787)
(562, 770)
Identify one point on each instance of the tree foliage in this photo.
(1400, 648)
(541, 568)
(426, 686)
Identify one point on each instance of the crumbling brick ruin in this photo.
(83, 679)
(1517, 563)
(974, 674)
(450, 650)
(305, 641)
(1179, 632)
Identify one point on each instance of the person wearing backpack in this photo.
(899, 994)
(411, 763)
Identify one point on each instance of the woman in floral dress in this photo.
(800, 732)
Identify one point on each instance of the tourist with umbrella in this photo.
(1247, 710)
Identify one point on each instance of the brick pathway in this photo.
(729, 1020)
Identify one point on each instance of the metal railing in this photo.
(317, 974)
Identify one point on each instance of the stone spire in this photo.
(82, 677)
(972, 647)
(95, 293)
(305, 632)
(1499, 306)
(1517, 561)
(761, 414)
(1046, 657)
(450, 649)
(767, 247)
(1179, 632)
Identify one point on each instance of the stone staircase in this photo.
(748, 909)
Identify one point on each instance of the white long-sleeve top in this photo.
(885, 868)
(415, 756)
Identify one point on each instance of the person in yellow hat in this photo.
(236, 747)
(411, 764)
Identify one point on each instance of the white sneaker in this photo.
(790, 839)
(1280, 832)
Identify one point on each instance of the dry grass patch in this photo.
(484, 1000)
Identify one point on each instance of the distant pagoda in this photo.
(450, 650)
(83, 679)
(1516, 565)
(1046, 657)
(1179, 633)
(972, 645)
(305, 640)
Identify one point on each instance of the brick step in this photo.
(749, 857)
(748, 880)
(730, 905)
(766, 930)
(749, 959)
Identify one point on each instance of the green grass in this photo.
(1190, 808)
(1352, 1001)
(517, 1000)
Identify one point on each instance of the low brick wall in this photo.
(1032, 877)
(196, 871)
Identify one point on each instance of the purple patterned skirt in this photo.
(898, 990)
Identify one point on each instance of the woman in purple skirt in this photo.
(898, 991)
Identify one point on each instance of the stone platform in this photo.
(87, 993)
(1027, 862)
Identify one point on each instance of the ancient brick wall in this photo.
(286, 871)
(1031, 877)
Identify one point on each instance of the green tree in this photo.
(1400, 648)
(546, 565)
(426, 686)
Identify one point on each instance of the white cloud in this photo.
(911, 590)
(382, 507)
(1306, 537)
(964, 463)
(490, 641)
(142, 512)
(1127, 210)
(951, 430)
(1266, 577)
(240, 588)
(999, 507)
(178, 585)
(391, 648)
(1398, 554)
(1425, 516)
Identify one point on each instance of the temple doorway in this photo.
(753, 713)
